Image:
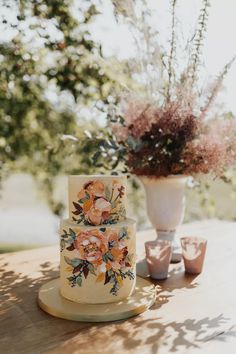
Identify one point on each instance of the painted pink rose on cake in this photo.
(99, 204)
(100, 252)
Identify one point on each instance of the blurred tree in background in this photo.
(49, 67)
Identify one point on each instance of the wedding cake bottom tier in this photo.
(97, 262)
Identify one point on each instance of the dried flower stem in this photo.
(172, 49)
(216, 87)
(198, 39)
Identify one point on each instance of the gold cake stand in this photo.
(51, 301)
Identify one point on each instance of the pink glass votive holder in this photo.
(193, 249)
(158, 256)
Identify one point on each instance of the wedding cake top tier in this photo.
(97, 199)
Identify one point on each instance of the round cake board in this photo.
(52, 302)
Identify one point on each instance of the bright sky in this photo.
(220, 44)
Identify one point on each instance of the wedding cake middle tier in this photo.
(97, 262)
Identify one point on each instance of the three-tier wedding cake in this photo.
(97, 241)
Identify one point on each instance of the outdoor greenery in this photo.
(50, 70)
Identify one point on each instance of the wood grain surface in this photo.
(192, 314)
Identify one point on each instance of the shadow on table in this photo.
(22, 319)
(141, 334)
(177, 279)
(32, 329)
(147, 333)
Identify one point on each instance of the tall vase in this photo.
(165, 207)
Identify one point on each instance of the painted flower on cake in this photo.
(96, 188)
(98, 204)
(103, 253)
(91, 245)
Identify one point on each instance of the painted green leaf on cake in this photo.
(73, 262)
(107, 193)
(72, 233)
(91, 268)
(78, 268)
(106, 257)
(62, 244)
(79, 281)
(67, 239)
(113, 205)
(110, 256)
(122, 233)
(78, 221)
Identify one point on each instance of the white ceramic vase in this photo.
(165, 207)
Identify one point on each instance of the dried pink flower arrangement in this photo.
(168, 140)
(173, 135)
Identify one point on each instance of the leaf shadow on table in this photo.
(21, 317)
(148, 332)
(175, 335)
(33, 329)
(177, 279)
(146, 335)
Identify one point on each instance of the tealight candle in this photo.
(158, 255)
(194, 249)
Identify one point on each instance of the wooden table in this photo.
(192, 314)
